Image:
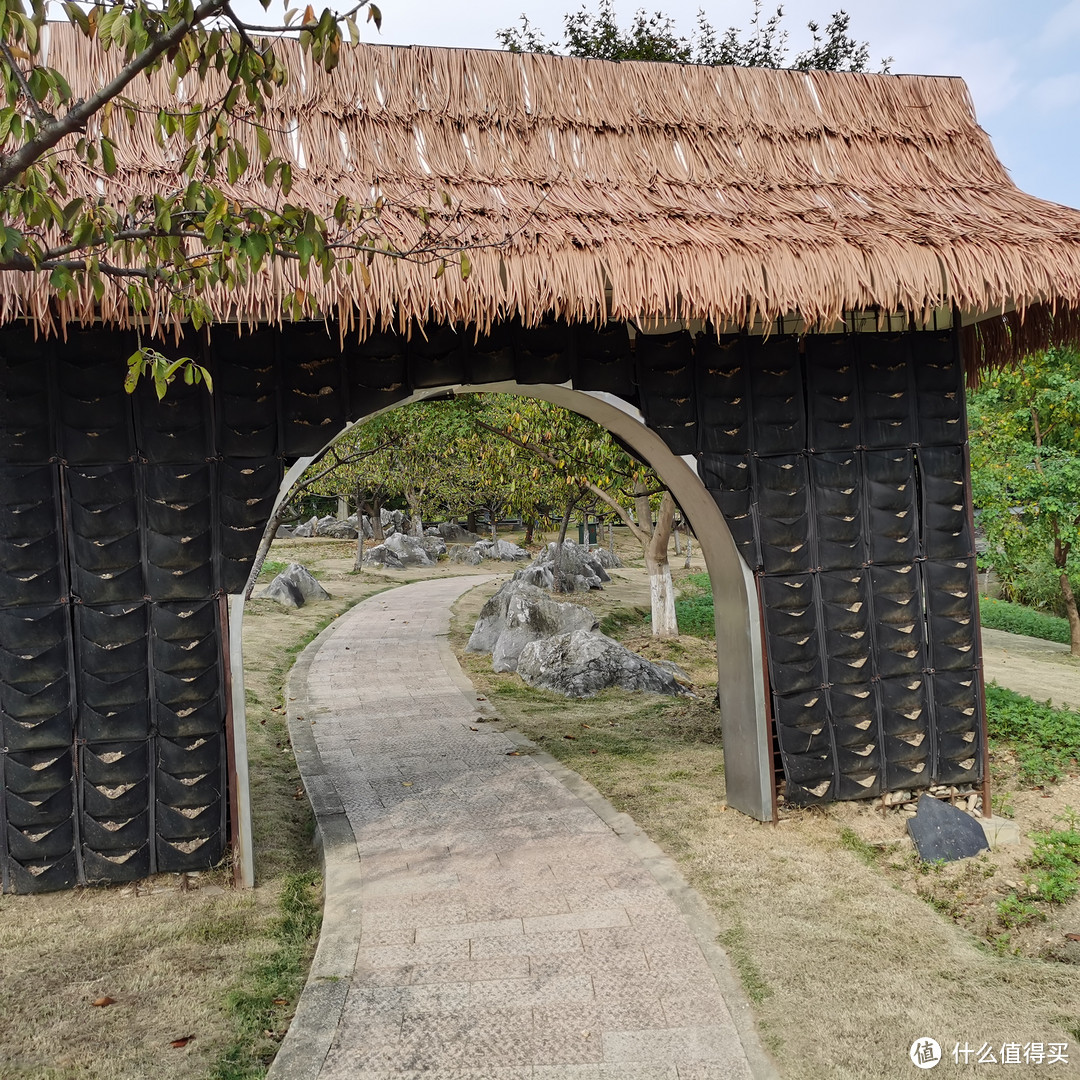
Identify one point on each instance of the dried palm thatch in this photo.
(589, 190)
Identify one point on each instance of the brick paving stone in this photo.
(505, 932)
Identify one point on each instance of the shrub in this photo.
(1017, 619)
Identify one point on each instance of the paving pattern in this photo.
(505, 931)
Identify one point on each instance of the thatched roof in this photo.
(589, 189)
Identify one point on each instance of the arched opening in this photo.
(741, 683)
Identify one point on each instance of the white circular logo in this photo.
(925, 1053)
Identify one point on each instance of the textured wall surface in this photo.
(839, 464)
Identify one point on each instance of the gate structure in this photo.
(783, 276)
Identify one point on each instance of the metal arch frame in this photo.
(742, 686)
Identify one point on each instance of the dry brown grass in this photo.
(169, 949)
(845, 963)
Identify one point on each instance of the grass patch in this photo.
(1053, 877)
(853, 842)
(734, 942)
(694, 608)
(264, 997)
(271, 568)
(1046, 739)
(1018, 619)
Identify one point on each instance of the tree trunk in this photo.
(342, 508)
(530, 527)
(416, 522)
(375, 507)
(1070, 610)
(611, 537)
(642, 508)
(557, 584)
(494, 527)
(358, 562)
(661, 590)
(689, 547)
(675, 530)
(263, 549)
(470, 521)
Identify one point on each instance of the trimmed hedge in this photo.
(1017, 619)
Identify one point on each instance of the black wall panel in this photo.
(840, 465)
(838, 462)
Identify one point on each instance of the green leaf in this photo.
(466, 267)
(108, 156)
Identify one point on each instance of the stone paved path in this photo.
(501, 928)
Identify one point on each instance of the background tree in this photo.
(655, 37)
(1025, 472)
(166, 250)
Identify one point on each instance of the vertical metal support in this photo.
(232, 618)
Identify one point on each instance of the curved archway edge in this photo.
(741, 684)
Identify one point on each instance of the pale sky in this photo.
(1021, 60)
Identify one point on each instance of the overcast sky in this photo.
(1020, 59)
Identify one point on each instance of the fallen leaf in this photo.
(101, 1002)
(512, 753)
(299, 793)
(281, 1001)
(406, 783)
(1068, 937)
(178, 1044)
(593, 751)
(474, 729)
(571, 737)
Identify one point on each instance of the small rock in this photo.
(941, 831)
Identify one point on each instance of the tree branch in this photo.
(599, 492)
(75, 119)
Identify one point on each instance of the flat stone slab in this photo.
(494, 916)
(940, 831)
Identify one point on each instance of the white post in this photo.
(245, 855)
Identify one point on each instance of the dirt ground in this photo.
(1043, 670)
(169, 950)
(848, 947)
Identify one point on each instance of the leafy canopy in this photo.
(168, 248)
(655, 37)
(1025, 465)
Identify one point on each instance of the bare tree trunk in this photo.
(661, 590)
(558, 583)
(675, 530)
(1070, 610)
(470, 521)
(263, 549)
(642, 508)
(611, 537)
(689, 547)
(375, 507)
(342, 508)
(416, 523)
(530, 527)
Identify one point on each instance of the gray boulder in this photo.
(583, 663)
(284, 532)
(469, 554)
(294, 587)
(607, 559)
(324, 523)
(409, 550)
(577, 570)
(435, 546)
(517, 614)
(453, 533)
(339, 530)
(506, 551)
(381, 555)
(307, 529)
